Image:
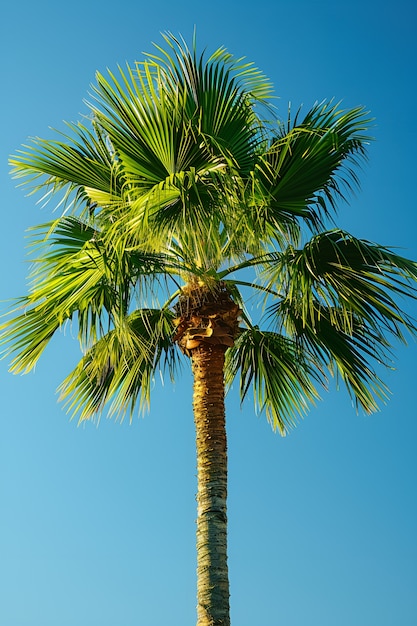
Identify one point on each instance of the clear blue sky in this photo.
(97, 524)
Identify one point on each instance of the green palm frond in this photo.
(345, 274)
(81, 167)
(68, 280)
(222, 90)
(76, 277)
(311, 163)
(185, 67)
(185, 131)
(339, 298)
(161, 124)
(350, 356)
(121, 366)
(27, 334)
(281, 374)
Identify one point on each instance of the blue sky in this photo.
(97, 523)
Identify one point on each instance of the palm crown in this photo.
(180, 196)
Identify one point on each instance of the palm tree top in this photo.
(174, 145)
(181, 188)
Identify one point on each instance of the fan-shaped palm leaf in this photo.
(339, 271)
(282, 375)
(76, 277)
(338, 296)
(121, 365)
(310, 163)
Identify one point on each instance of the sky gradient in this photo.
(97, 523)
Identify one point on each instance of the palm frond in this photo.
(186, 133)
(344, 273)
(76, 277)
(281, 374)
(121, 366)
(350, 356)
(223, 90)
(311, 164)
(79, 168)
(338, 297)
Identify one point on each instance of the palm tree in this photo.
(182, 195)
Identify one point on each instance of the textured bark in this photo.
(205, 315)
(209, 416)
(207, 324)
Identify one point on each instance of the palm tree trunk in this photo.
(209, 417)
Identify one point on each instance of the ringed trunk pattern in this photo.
(209, 417)
(207, 324)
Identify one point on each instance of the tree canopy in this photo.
(180, 183)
